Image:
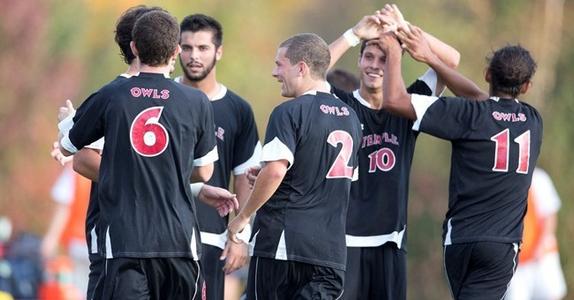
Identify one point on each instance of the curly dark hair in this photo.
(200, 22)
(510, 67)
(124, 28)
(156, 37)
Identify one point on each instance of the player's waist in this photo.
(376, 240)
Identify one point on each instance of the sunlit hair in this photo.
(510, 67)
(124, 28)
(310, 49)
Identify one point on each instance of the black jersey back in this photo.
(378, 204)
(238, 148)
(93, 211)
(304, 220)
(155, 132)
(495, 145)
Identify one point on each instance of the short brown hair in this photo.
(156, 36)
(310, 49)
(124, 28)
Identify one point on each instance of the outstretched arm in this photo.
(397, 100)
(266, 184)
(419, 47)
(369, 27)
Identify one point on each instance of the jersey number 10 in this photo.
(503, 148)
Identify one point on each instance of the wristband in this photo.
(351, 38)
(196, 188)
(245, 234)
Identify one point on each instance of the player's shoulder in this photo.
(235, 100)
(189, 93)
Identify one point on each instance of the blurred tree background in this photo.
(52, 50)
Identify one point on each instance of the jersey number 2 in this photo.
(503, 148)
(148, 137)
(340, 168)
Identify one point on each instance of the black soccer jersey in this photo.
(378, 203)
(156, 131)
(304, 220)
(93, 211)
(495, 145)
(238, 148)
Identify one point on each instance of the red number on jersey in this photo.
(502, 151)
(340, 168)
(148, 137)
(382, 159)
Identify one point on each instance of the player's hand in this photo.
(415, 43)
(392, 18)
(65, 111)
(235, 256)
(235, 227)
(388, 43)
(56, 154)
(252, 173)
(369, 27)
(220, 199)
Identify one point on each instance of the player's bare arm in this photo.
(235, 254)
(418, 46)
(397, 100)
(267, 183)
(369, 27)
(87, 163)
(202, 173)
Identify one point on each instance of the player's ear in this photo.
(303, 68)
(525, 87)
(219, 53)
(134, 49)
(487, 75)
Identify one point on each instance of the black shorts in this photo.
(97, 264)
(281, 279)
(151, 278)
(480, 270)
(213, 271)
(376, 273)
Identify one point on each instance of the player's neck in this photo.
(309, 85)
(133, 69)
(208, 85)
(373, 96)
(164, 69)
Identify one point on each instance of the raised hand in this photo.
(65, 111)
(369, 27)
(415, 43)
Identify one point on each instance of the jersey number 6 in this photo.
(148, 137)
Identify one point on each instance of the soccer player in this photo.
(159, 135)
(87, 159)
(238, 145)
(539, 274)
(495, 145)
(302, 192)
(377, 216)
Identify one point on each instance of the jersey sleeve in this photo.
(206, 146)
(425, 85)
(280, 137)
(247, 148)
(447, 118)
(88, 123)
